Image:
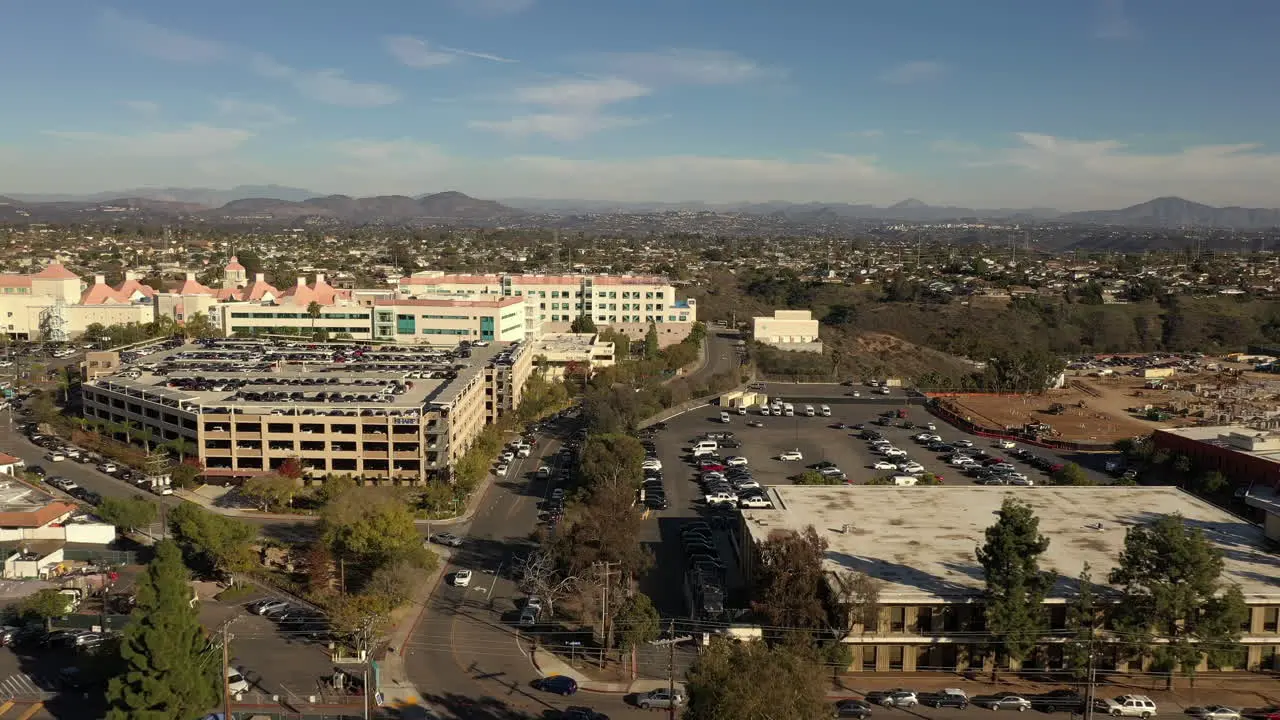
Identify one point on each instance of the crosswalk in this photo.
(20, 686)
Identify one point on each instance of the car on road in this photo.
(852, 708)
(579, 712)
(236, 682)
(544, 472)
(1214, 712)
(791, 456)
(528, 616)
(661, 698)
(898, 698)
(946, 698)
(1003, 701)
(755, 424)
(462, 578)
(501, 470)
(507, 457)
(447, 539)
(558, 684)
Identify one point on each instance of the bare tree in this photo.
(541, 576)
(854, 603)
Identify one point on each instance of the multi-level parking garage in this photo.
(395, 413)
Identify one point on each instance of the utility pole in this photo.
(1092, 680)
(671, 671)
(226, 679)
(606, 632)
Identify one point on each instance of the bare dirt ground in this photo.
(1101, 419)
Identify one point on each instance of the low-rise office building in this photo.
(382, 414)
(1248, 458)
(787, 330)
(56, 304)
(554, 353)
(930, 606)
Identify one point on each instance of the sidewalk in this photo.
(395, 690)
(548, 663)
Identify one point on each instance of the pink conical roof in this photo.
(234, 264)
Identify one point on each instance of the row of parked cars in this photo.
(1065, 700)
(57, 451)
(297, 620)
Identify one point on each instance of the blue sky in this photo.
(988, 103)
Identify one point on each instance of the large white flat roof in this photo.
(920, 541)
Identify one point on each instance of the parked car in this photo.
(898, 698)
(558, 684)
(1130, 706)
(791, 456)
(1214, 712)
(852, 708)
(1003, 701)
(1059, 701)
(944, 699)
(528, 616)
(462, 578)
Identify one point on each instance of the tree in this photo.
(791, 583)
(651, 342)
(217, 542)
(168, 670)
(853, 602)
(333, 487)
(319, 564)
(1072, 474)
(639, 621)
(1210, 483)
(1082, 621)
(613, 459)
(45, 605)
(756, 681)
(1015, 586)
(313, 311)
(128, 514)
(291, 468)
(542, 574)
(813, 477)
(270, 491)
(1173, 604)
(373, 526)
(182, 447)
(582, 324)
(198, 326)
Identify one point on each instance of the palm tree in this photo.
(181, 447)
(129, 427)
(313, 310)
(198, 326)
(65, 382)
(147, 436)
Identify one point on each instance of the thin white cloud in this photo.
(327, 86)
(869, 134)
(192, 141)
(563, 127)
(1113, 21)
(158, 42)
(581, 94)
(418, 53)
(916, 71)
(415, 53)
(576, 109)
(251, 114)
(685, 67)
(145, 108)
(493, 7)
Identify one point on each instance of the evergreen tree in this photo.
(1082, 619)
(168, 666)
(651, 342)
(1174, 607)
(1016, 587)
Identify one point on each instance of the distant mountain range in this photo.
(267, 203)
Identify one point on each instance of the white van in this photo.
(705, 445)
(826, 411)
(809, 411)
(742, 409)
(724, 417)
(788, 410)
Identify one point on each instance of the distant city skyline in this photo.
(1000, 104)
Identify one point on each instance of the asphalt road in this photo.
(721, 355)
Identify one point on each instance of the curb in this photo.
(586, 685)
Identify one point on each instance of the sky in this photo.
(1071, 104)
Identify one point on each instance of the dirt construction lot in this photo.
(1075, 423)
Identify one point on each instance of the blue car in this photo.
(558, 684)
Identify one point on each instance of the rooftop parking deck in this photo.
(920, 541)
(254, 377)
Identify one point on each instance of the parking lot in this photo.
(275, 657)
(817, 439)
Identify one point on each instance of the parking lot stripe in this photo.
(32, 710)
(28, 684)
(4, 707)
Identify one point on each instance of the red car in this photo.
(710, 466)
(1262, 713)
